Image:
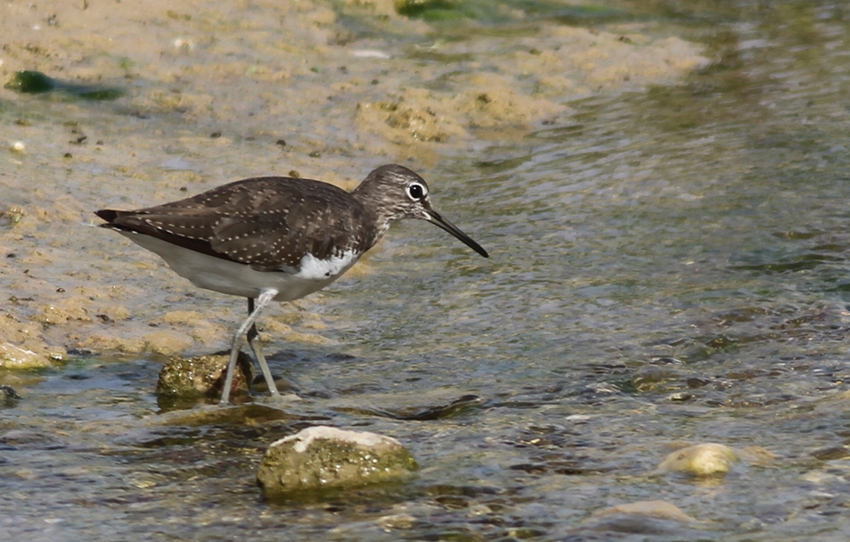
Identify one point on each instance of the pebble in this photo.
(701, 460)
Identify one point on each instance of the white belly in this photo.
(233, 278)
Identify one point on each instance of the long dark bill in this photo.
(443, 223)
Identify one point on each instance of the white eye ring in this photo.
(416, 191)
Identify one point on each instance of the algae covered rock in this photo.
(15, 357)
(33, 82)
(202, 376)
(324, 457)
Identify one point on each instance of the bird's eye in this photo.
(416, 191)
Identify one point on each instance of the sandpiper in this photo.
(276, 238)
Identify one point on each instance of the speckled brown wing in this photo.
(269, 223)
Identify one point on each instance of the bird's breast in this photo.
(312, 268)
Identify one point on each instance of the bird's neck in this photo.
(376, 213)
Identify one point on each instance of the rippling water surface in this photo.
(666, 267)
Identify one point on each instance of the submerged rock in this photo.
(8, 395)
(702, 460)
(248, 415)
(653, 509)
(641, 519)
(324, 457)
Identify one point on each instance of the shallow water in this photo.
(666, 266)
